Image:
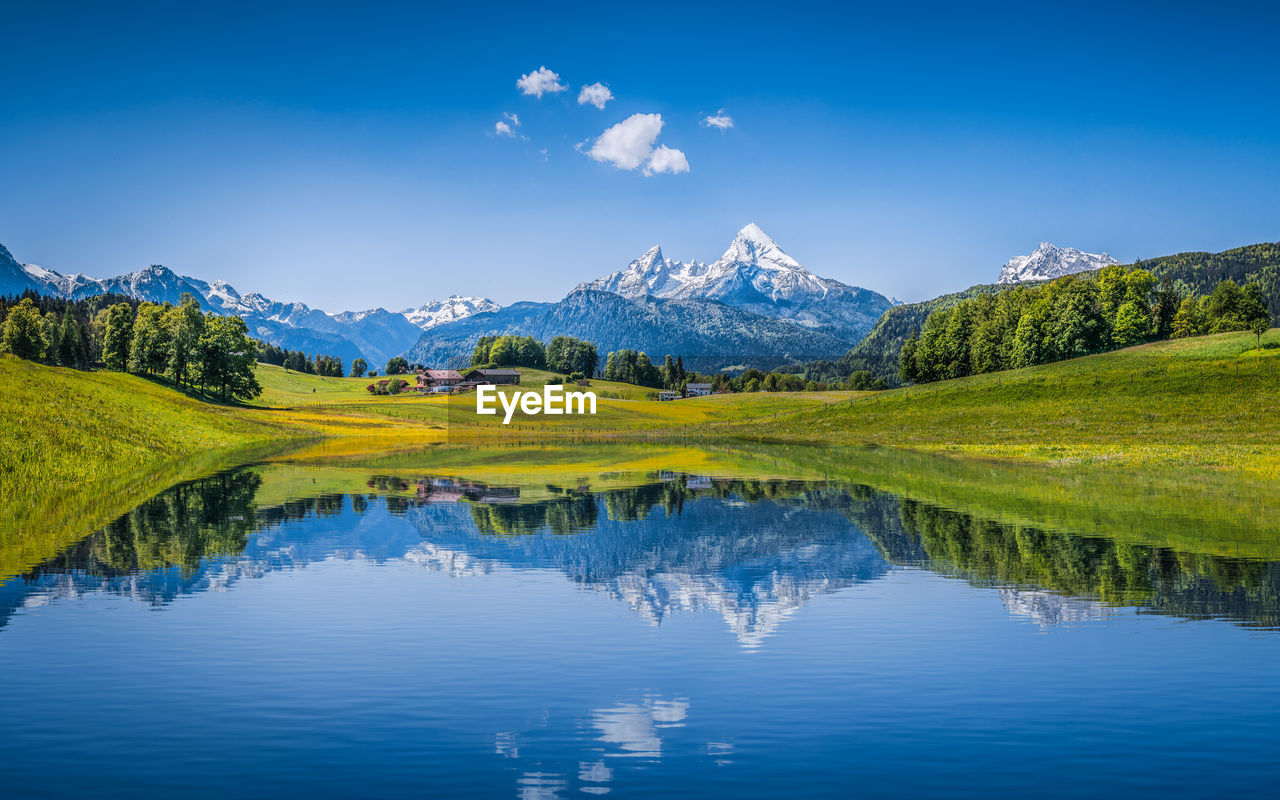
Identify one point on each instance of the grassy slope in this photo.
(621, 408)
(63, 430)
(1192, 273)
(1204, 402)
(102, 438)
(69, 426)
(77, 448)
(285, 388)
(282, 387)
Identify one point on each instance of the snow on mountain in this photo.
(14, 278)
(375, 334)
(155, 283)
(451, 309)
(649, 275)
(754, 274)
(1048, 262)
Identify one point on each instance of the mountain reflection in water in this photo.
(752, 551)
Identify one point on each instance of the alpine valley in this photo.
(755, 305)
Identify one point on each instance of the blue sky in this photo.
(347, 156)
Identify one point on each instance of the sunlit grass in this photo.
(1207, 402)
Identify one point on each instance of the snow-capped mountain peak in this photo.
(375, 334)
(453, 308)
(1047, 262)
(755, 247)
(754, 274)
(650, 274)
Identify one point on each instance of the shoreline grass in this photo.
(1209, 405)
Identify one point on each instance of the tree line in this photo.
(564, 354)
(298, 361)
(1072, 316)
(196, 349)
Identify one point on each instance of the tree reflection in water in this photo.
(753, 551)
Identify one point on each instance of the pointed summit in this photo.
(650, 274)
(755, 248)
(755, 275)
(645, 262)
(755, 233)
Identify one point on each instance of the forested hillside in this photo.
(1188, 273)
(878, 351)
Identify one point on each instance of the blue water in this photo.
(803, 643)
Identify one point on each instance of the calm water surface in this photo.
(258, 634)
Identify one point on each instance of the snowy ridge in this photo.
(1047, 262)
(752, 259)
(754, 274)
(374, 334)
(451, 309)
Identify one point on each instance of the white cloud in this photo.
(508, 127)
(666, 159)
(597, 94)
(628, 144)
(719, 120)
(539, 82)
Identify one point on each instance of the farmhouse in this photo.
(698, 389)
(438, 380)
(667, 394)
(494, 376)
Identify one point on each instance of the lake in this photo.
(569, 622)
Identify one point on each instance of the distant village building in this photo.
(494, 376)
(438, 380)
(698, 389)
(667, 394)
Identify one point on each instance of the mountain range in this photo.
(755, 305)
(1047, 262)
(756, 275)
(709, 335)
(374, 335)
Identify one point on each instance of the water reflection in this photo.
(633, 729)
(753, 552)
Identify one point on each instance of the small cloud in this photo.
(539, 82)
(508, 127)
(666, 159)
(629, 145)
(597, 94)
(719, 120)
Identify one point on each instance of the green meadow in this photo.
(80, 447)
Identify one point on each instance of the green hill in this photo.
(878, 351)
(1209, 402)
(1191, 273)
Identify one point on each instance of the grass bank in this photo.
(1205, 403)
(1210, 403)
